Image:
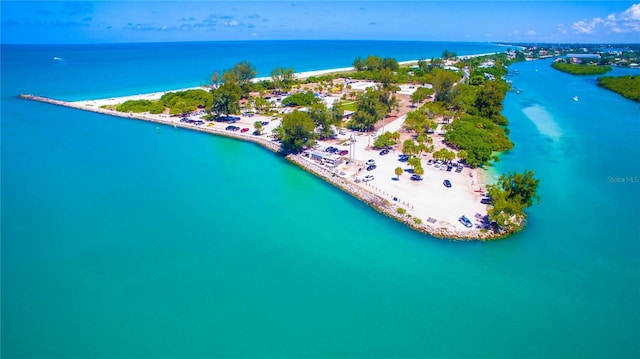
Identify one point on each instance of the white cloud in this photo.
(531, 33)
(561, 29)
(626, 21)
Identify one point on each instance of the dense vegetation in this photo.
(372, 106)
(511, 195)
(186, 101)
(177, 103)
(628, 86)
(479, 137)
(296, 131)
(576, 69)
(300, 99)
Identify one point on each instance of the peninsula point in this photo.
(385, 132)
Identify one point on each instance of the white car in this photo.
(370, 162)
(368, 178)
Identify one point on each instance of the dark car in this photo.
(486, 200)
(403, 158)
(371, 168)
(430, 162)
(264, 123)
(449, 168)
(384, 152)
(447, 183)
(415, 177)
(343, 152)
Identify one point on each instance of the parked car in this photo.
(447, 183)
(368, 178)
(403, 158)
(370, 162)
(246, 129)
(430, 162)
(371, 167)
(343, 152)
(384, 152)
(264, 123)
(465, 221)
(415, 177)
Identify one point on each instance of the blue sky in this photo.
(52, 22)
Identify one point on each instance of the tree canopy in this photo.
(479, 137)
(443, 85)
(576, 69)
(628, 86)
(226, 99)
(296, 131)
(300, 99)
(370, 109)
(510, 196)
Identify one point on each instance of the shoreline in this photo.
(367, 195)
(391, 199)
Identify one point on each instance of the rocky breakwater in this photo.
(392, 209)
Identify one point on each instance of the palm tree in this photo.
(398, 172)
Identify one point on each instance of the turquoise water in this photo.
(119, 241)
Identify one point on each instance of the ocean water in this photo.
(122, 241)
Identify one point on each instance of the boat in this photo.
(575, 98)
(56, 58)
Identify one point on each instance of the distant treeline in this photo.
(628, 86)
(576, 69)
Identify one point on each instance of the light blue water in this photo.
(118, 241)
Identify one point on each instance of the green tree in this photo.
(300, 99)
(258, 127)
(386, 139)
(510, 196)
(443, 85)
(489, 100)
(398, 171)
(462, 154)
(444, 154)
(369, 110)
(409, 147)
(414, 162)
(296, 131)
(321, 117)
(419, 170)
(226, 99)
(282, 78)
(358, 64)
(420, 94)
(261, 104)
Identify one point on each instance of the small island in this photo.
(410, 139)
(627, 86)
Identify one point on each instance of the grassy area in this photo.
(349, 106)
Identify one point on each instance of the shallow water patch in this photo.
(543, 121)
